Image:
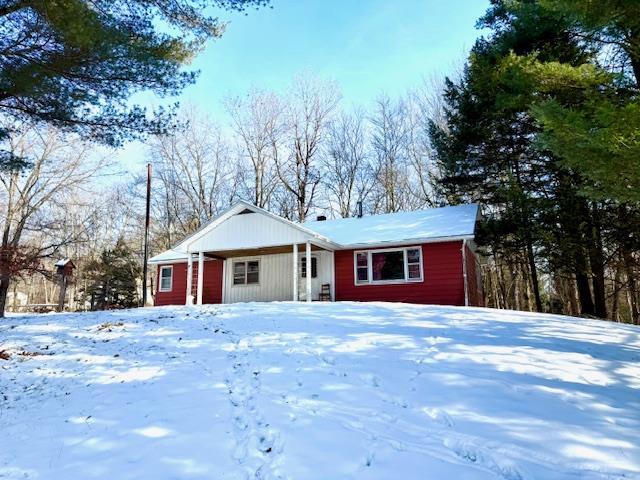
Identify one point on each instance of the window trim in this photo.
(246, 273)
(170, 268)
(370, 280)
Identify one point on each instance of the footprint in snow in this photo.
(481, 456)
(369, 460)
(371, 379)
(439, 416)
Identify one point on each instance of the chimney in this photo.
(321, 218)
(359, 207)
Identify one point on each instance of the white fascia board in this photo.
(167, 262)
(404, 243)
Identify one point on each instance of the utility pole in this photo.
(146, 237)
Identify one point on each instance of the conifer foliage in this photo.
(542, 129)
(113, 279)
(75, 63)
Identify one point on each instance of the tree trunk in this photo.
(573, 301)
(63, 292)
(4, 289)
(516, 290)
(14, 305)
(501, 282)
(632, 290)
(596, 259)
(632, 49)
(584, 294)
(534, 275)
(615, 304)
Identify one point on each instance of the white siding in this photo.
(275, 279)
(324, 275)
(250, 230)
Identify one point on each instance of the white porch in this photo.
(268, 250)
(279, 274)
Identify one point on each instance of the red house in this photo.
(249, 254)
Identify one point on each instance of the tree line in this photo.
(297, 153)
(540, 127)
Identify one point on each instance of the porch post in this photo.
(295, 272)
(200, 276)
(189, 299)
(308, 261)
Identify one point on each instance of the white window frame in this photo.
(246, 273)
(370, 280)
(163, 267)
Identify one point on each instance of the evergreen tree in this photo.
(114, 279)
(507, 145)
(75, 63)
(488, 152)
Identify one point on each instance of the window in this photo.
(362, 267)
(314, 267)
(166, 279)
(392, 265)
(387, 265)
(246, 273)
(414, 266)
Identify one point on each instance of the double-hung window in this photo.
(246, 273)
(394, 265)
(166, 278)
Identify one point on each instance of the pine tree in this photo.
(113, 279)
(495, 150)
(76, 63)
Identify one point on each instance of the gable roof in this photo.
(240, 208)
(433, 224)
(180, 251)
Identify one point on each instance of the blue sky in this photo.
(367, 46)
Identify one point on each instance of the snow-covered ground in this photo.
(322, 391)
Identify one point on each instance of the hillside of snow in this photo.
(322, 391)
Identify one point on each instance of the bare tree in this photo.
(390, 138)
(309, 109)
(425, 105)
(35, 199)
(347, 172)
(191, 167)
(257, 121)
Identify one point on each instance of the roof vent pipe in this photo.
(359, 207)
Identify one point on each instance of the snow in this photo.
(318, 391)
(168, 256)
(434, 223)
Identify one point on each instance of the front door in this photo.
(316, 277)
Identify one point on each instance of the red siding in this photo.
(474, 280)
(212, 284)
(442, 284)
